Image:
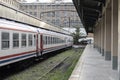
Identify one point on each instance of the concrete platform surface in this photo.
(92, 66)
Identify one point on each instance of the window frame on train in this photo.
(5, 40)
(23, 40)
(30, 39)
(15, 40)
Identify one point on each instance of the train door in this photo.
(37, 47)
(41, 43)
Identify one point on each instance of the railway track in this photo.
(36, 71)
(52, 68)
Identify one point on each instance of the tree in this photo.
(76, 35)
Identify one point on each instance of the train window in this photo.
(54, 40)
(15, 40)
(58, 40)
(46, 40)
(34, 40)
(5, 40)
(30, 40)
(24, 39)
(51, 40)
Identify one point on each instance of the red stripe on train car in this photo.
(4, 57)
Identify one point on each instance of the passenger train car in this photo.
(20, 41)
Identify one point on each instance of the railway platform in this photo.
(93, 66)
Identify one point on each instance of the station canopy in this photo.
(90, 11)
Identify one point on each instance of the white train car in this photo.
(19, 41)
(52, 41)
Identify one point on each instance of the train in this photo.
(21, 41)
(23, 36)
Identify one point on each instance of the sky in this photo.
(47, 0)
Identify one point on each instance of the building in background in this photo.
(11, 3)
(57, 13)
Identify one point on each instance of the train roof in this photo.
(13, 25)
(18, 26)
